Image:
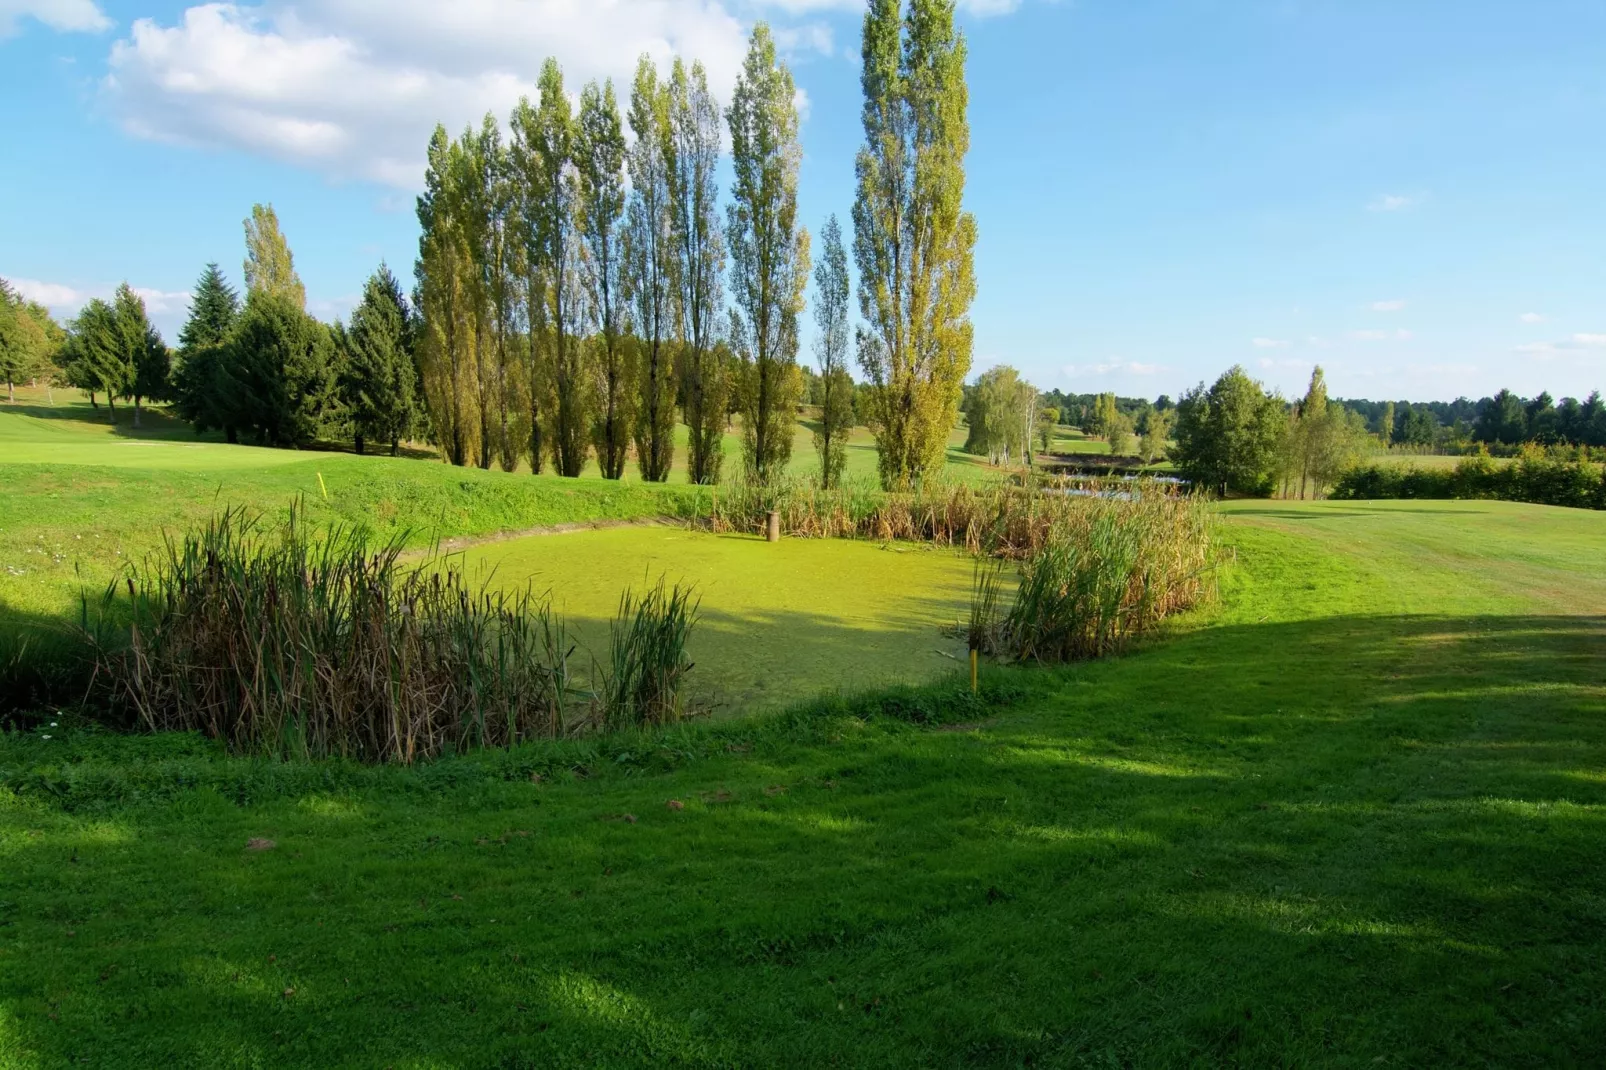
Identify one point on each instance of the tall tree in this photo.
(145, 351)
(283, 372)
(547, 134)
(197, 377)
(29, 340)
(1385, 424)
(769, 251)
(445, 341)
(600, 160)
(1229, 435)
(831, 290)
(96, 361)
(697, 263)
(912, 239)
(377, 377)
(649, 259)
(268, 263)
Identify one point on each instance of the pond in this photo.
(780, 622)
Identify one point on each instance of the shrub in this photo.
(1543, 477)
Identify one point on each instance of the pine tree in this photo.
(377, 379)
(600, 159)
(99, 358)
(197, 390)
(769, 251)
(698, 262)
(146, 354)
(269, 266)
(913, 240)
(831, 291)
(649, 259)
(281, 372)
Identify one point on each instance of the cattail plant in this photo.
(648, 663)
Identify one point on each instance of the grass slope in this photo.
(1353, 817)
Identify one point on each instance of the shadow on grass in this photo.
(1363, 840)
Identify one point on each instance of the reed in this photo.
(281, 643)
(648, 663)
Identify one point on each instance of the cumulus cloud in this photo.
(67, 16)
(1388, 306)
(1591, 341)
(352, 88)
(1531, 317)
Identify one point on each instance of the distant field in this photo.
(1423, 460)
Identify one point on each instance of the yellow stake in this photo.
(322, 487)
(973, 671)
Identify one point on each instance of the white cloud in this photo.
(1531, 317)
(1534, 349)
(352, 88)
(67, 16)
(1394, 202)
(1593, 341)
(1388, 306)
(66, 300)
(1270, 343)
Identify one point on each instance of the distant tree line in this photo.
(1505, 419)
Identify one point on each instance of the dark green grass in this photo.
(1352, 817)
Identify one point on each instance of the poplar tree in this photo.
(600, 159)
(769, 251)
(268, 263)
(913, 241)
(649, 259)
(377, 376)
(831, 292)
(698, 263)
(442, 267)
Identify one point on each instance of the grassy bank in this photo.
(1353, 816)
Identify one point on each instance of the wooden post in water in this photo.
(772, 526)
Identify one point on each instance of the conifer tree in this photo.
(377, 379)
(649, 260)
(268, 263)
(913, 240)
(600, 159)
(769, 251)
(282, 371)
(145, 353)
(698, 264)
(831, 292)
(99, 358)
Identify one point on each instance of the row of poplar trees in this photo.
(572, 284)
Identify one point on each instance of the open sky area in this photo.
(1408, 194)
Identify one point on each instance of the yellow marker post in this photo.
(973, 670)
(322, 487)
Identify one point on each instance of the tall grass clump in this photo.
(1106, 572)
(648, 662)
(281, 643)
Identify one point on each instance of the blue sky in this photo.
(1412, 194)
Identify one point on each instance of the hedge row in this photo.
(1532, 478)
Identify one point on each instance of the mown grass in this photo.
(1353, 816)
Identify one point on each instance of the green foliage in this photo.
(650, 266)
(835, 386)
(30, 340)
(377, 373)
(279, 373)
(1535, 477)
(1000, 410)
(769, 252)
(600, 163)
(101, 349)
(1156, 434)
(1228, 436)
(911, 234)
(269, 265)
(198, 384)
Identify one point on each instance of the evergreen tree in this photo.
(98, 358)
(912, 239)
(600, 158)
(649, 256)
(769, 251)
(835, 389)
(144, 351)
(377, 377)
(697, 261)
(196, 386)
(269, 266)
(281, 372)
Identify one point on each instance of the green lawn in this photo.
(779, 622)
(1351, 816)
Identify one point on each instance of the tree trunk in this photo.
(136, 410)
(92, 402)
(395, 447)
(356, 441)
(232, 435)
(11, 392)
